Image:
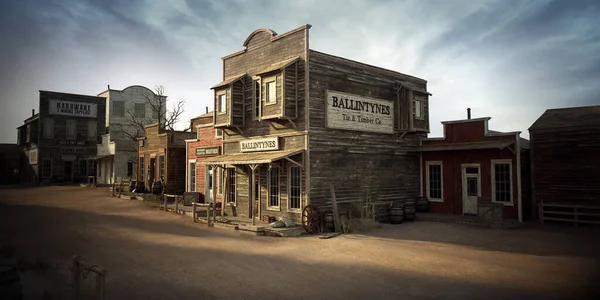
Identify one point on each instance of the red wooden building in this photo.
(204, 179)
(472, 165)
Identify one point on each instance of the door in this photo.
(151, 172)
(209, 183)
(471, 189)
(68, 170)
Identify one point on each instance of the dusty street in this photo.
(151, 254)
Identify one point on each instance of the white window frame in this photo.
(418, 104)
(48, 128)
(289, 189)
(217, 135)
(115, 112)
(267, 91)
(44, 175)
(427, 183)
(493, 164)
(256, 92)
(222, 102)
(278, 207)
(188, 177)
(67, 131)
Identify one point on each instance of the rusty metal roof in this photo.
(465, 146)
(249, 158)
(228, 81)
(568, 117)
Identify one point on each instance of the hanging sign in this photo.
(354, 112)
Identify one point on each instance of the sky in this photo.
(505, 59)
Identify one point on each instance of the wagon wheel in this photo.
(311, 219)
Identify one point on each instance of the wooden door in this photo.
(471, 188)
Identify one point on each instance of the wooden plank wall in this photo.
(291, 91)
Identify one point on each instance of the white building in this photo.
(117, 155)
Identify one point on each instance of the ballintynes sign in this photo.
(75, 109)
(354, 112)
(254, 145)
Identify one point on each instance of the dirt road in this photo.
(151, 254)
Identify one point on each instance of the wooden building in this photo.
(60, 141)
(296, 121)
(565, 151)
(161, 156)
(204, 179)
(12, 161)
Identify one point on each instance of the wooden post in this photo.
(76, 276)
(194, 211)
(251, 196)
(336, 216)
(225, 191)
(176, 204)
(165, 202)
(214, 192)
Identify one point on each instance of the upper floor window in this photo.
(140, 110)
(28, 134)
(419, 109)
(222, 103)
(256, 100)
(92, 130)
(219, 133)
(118, 108)
(48, 128)
(271, 92)
(71, 129)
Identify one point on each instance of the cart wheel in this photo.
(311, 220)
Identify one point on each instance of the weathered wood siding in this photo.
(175, 171)
(356, 159)
(272, 110)
(238, 102)
(291, 91)
(566, 165)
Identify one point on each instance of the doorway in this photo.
(471, 188)
(209, 177)
(69, 171)
(151, 171)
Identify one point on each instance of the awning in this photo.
(248, 158)
(465, 146)
(228, 81)
(278, 66)
(101, 156)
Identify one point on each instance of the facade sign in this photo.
(68, 157)
(354, 112)
(73, 109)
(71, 142)
(72, 150)
(208, 151)
(254, 145)
(33, 153)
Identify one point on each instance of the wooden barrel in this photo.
(139, 187)
(422, 204)
(382, 213)
(396, 215)
(329, 224)
(10, 283)
(157, 187)
(409, 213)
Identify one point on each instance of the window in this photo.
(501, 181)
(295, 188)
(222, 103)
(129, 169)
(71, 129)
(192, 177)
(232, 179)
(28, 134)
(221, 181)
(219, 133)
(48, 128)
(141, 170)
(140, 110)
(92, 130)
(274, 187)
(155, 111)
(418, 109)
(161, 167)
(82, 168)
(118, 108)
(256, 100)
(46, 168)
(434, 181)
(271, 92)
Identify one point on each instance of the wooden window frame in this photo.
(232, 174)
(278, 207)
(217, 135)
(289, 190)
(268, 80)
(256, 97)
(419, 105)
(92, 126)
(43, 167)
(67, 122)
(48, 128)
(427, 180)
(221, 107)
(493, 164)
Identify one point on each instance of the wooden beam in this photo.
(294, 162)
(251, 194)
(336, 216)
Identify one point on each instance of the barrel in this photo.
(10, 283)
(409, 213)
(422, 204)
(329, 225)
(139, 187)
(157, 187)
(396, 215)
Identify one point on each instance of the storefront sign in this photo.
(72, 143)
(253, 145)
(207, 151)
(72, 150)
(75, 109)
(68, 157)
(33, 156)
(354, 112)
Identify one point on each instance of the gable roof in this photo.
(582, 116)
(228, 81)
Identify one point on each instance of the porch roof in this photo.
(228, 81)
(248, 158)
(278, 66)
(101, 156)
(465, 146)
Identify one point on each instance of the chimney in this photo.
(33, 112)
(109, 86)
(207, 109)
(468, 113)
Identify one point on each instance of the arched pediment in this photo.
(262, 32)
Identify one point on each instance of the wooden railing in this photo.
(577, 214)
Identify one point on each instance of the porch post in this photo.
(214, 193)
(251, 198)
